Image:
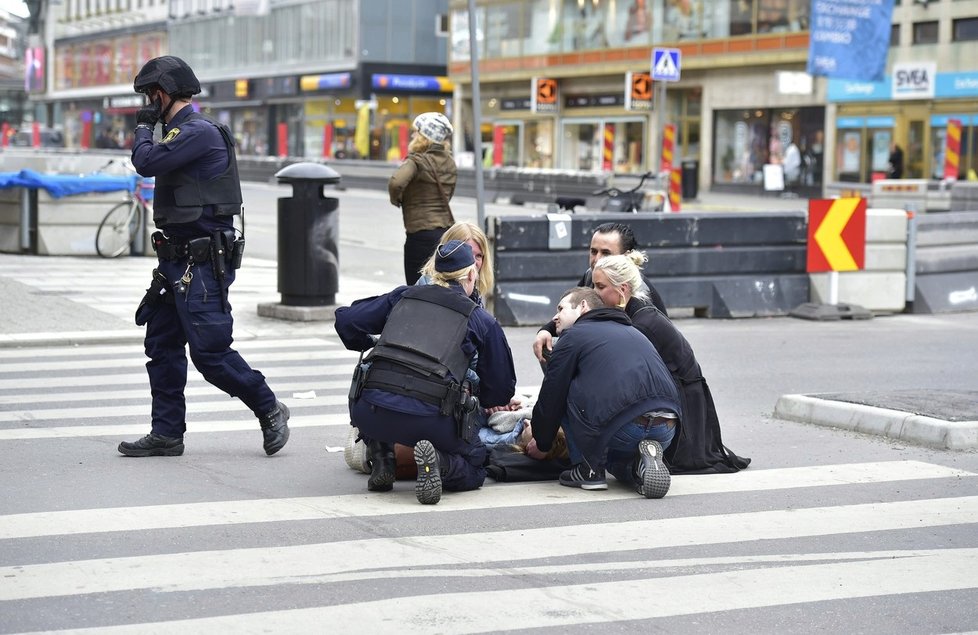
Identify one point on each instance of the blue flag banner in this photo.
(849, 39)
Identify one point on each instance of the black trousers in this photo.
(418, 247)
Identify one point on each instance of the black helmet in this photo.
(170, 73)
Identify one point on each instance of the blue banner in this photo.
(849, 39)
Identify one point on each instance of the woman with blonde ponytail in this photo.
(697, 445)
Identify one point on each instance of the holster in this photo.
(359, 379)
(158, 293)
(467, 418)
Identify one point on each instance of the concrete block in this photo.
(886, 257)
(878, 291)
(886, 225)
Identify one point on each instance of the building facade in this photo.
(742, 100)
(289, 78)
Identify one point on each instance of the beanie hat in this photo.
(453, 256)
(433, 126)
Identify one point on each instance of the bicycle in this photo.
(618, 200)
(123, 223)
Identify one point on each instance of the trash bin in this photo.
(308, 236)
(691, 179)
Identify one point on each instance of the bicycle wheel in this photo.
(118, 228)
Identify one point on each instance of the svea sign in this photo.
(914, 80)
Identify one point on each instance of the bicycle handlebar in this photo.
(614, 192)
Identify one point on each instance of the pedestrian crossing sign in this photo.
(666, 64)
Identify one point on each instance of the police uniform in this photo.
(197, 195)
(394, 405)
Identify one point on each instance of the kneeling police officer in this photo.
(197, 196)
(411, 388)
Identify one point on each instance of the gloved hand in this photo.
(149, 114)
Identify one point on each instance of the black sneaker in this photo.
(275, 428)
(428, 486)
(584, 477)
(653, 477)
(153, 445)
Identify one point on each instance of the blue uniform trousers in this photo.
(198, 319)
(466, 461)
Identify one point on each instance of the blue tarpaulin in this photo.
(59, 185)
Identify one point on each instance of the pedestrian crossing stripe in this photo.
(823, 577)
(193, 427)
(321, 563)
(491, 496)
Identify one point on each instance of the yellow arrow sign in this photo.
(829, 235)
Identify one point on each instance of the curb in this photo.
(893, 424)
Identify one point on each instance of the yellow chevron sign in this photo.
(836, 235)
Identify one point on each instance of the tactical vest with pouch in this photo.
(419, 353)
(180, 197)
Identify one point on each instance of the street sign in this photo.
(544, 95)
(638, 91)
(666, 64)
(836, 235)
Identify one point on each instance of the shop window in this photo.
(538, 139)
(540, 25)
(683, 20)
(925, 32)
(503, 24)
(964, 30)
(746, 140)
(740, 146)
(741, 17)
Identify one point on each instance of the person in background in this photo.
(610, 391)
(422, 187)
(895, 165)
(198, 193)
(412, 388)
(697, 446)
(608, 239)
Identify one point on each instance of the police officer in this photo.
(413, 391)
(197, 196)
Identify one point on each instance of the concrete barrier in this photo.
(882, 285)
(964, 196)
(719, 264)
(946, 263)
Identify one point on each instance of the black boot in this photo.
(383, 466)
(430, 463)
(275, 428)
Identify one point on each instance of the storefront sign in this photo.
(594, 101)
(850, 39)
(957, 85)
(543, 95)
(946, 85)
(914, 80)
(241, 88)
(515, 104)
(329, 81)
(412, 83)
(638, 91)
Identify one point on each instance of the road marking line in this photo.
(491, 496)
(139, 429)
(318, 563)
(607, 602)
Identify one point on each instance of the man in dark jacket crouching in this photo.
(607, 386)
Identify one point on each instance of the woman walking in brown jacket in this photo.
(422, 187)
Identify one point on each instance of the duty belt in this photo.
(168, 250)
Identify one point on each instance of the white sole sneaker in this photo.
(655, 478)
(355, 453)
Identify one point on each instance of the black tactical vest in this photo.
(420, 350)
(181, 197)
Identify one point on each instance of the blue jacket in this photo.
(358, 323)
(603, 373)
